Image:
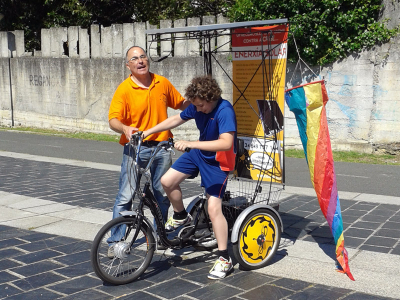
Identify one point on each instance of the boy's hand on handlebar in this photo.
(144, 134)
(182, 145)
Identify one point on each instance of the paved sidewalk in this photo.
(52, 208)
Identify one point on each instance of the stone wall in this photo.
(364, 108)
(390, 13)
(75, 94)
(68, 84)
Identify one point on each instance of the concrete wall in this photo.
(72, 92)
(364, 108)
(75, 94)
(5, 93)
(67, 94)
(69, 83)
(390, 13)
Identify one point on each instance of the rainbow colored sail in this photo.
(308, 102)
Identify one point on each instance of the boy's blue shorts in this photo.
(212, 177)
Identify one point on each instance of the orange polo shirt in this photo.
(144, 108)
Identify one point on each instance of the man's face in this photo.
(137, 62)
(204, 106)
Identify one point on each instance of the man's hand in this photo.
(182, 145)
(128, 131)
(117, 126)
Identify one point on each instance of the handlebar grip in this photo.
(187, 149)
(136, 134)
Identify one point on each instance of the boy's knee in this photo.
(212, 215)
(167, 182)
(214, 211)
(164, 181)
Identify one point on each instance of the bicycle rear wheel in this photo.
(259, 238)
(125, 263)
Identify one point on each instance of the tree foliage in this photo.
(325, 30)
(31, 16)
(107, 12)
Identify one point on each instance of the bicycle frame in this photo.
(255, 236)
(146, 198)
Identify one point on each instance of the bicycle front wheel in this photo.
(259, 239)
(117, 259)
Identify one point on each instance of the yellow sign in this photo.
(259, 68)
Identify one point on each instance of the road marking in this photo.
(100, 151)
(352, 176)
(45, 145)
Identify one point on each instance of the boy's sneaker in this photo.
(173, 224)
(221, 268)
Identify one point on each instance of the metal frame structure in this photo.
(205, 33)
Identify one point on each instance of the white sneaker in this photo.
(173, 224)
(221, 268)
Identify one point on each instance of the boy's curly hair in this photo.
(203, 87)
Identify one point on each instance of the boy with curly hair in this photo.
(213, 155)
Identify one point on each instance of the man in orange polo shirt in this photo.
(139, 103)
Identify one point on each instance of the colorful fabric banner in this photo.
(307, 102)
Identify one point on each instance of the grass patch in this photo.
(354, 157)
(344, 156)
(294, 153)
(66, 134)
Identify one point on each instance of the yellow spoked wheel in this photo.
(259, 239)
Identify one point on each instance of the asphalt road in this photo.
(351, 177)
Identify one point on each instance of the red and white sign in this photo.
(251, 43)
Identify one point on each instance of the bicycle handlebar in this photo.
(137, 140)
(138, 137)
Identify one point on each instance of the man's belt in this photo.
(150, 143)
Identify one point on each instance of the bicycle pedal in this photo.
(185, 230)
(202, 233)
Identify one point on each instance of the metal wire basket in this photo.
(245, 192)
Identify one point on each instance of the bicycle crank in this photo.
(184, 231)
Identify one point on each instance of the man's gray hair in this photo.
(130, 47)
